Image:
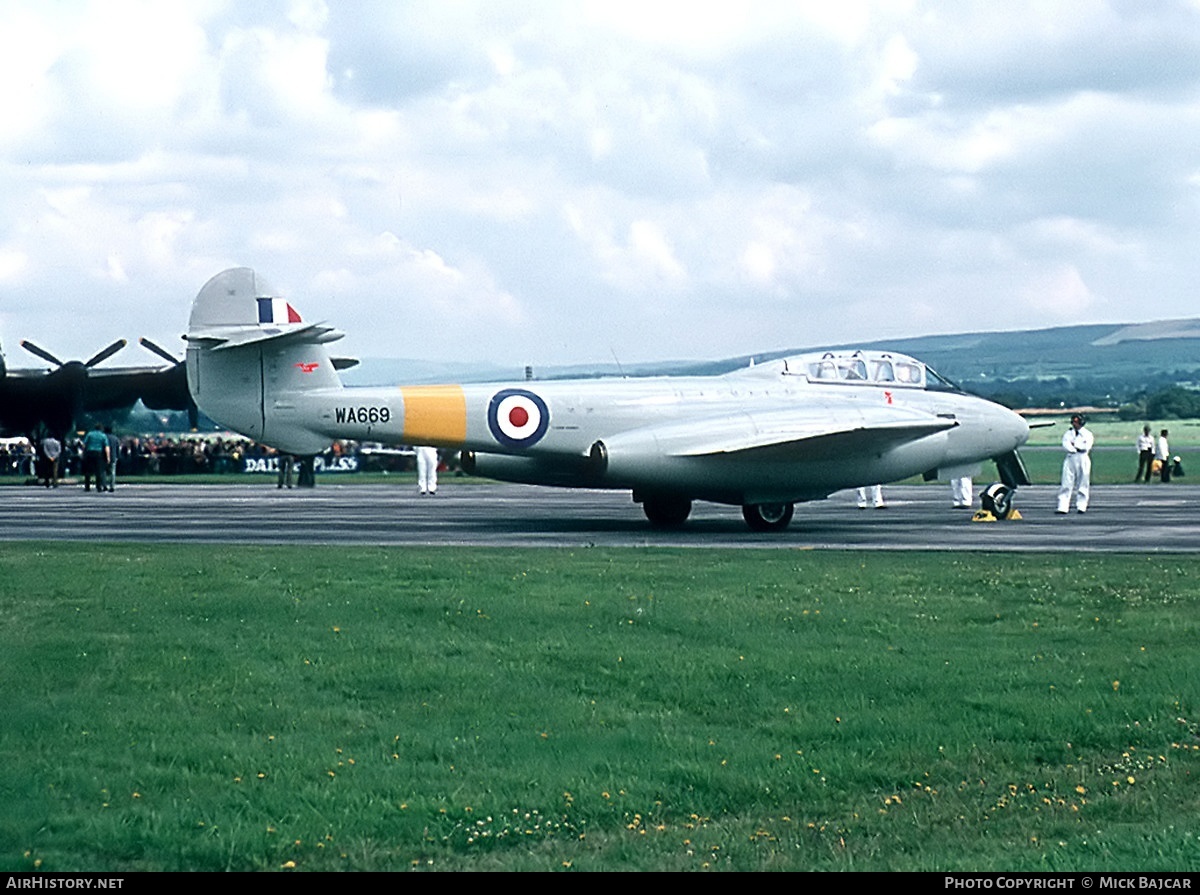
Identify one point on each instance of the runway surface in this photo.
(1123, 518)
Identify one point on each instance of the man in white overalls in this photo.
(1077, 467)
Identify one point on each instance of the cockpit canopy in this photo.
(859, 368)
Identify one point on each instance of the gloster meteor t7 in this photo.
(765, 437)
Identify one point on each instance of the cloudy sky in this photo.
(524, 182)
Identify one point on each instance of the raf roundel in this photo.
(517, 418)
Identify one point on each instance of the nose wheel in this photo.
(997, 503)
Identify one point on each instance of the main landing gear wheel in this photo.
(667, 512)
(768, 516)
(997, 499)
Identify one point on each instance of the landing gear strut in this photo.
(768, 516)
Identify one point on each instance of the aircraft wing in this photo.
(797, 434)
(161, 388)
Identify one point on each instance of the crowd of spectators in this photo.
(181, 455)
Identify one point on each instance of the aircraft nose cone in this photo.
(1011, 427)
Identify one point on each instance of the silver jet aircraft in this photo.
(764, 438)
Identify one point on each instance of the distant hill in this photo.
(1097, 363)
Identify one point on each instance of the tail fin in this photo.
(251, 358)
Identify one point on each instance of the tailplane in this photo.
(251, 357)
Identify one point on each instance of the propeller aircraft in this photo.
(38, 402)
(764, 437)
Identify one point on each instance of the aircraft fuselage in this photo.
(652, 432)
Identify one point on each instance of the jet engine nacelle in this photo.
(526, 470)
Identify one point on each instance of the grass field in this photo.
(1184, 433)
(172, 708)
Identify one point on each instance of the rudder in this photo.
(251, 358)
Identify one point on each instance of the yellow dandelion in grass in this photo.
(1130, 780)
(1116, 686)
(288, 865)
(1081, 789)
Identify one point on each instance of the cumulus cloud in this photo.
(550, 182)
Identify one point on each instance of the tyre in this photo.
(667, 512)
(768, 516)
(997, 499)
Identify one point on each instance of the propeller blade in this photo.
(159, 350)
(106, 353)
(40, 352)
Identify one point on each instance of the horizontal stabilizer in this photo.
(220, 338)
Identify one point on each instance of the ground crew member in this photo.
(1145, 449)
(1077, 467)
(872, 495)
(427, 464)
(962, 492)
